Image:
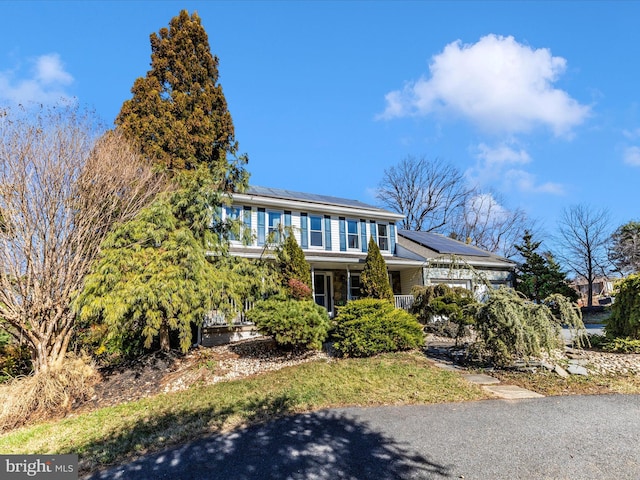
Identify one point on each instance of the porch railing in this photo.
(404, 301)
(401, 301)
(217, 318)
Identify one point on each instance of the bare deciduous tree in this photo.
(61, 191)
(428, 192)
(486, 223)
(583, 233)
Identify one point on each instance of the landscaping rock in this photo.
(560, 371)
(577, 370)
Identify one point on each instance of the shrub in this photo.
(622, 345)
(293, 267)
(299, 290)
(375, 278)
(292, 323)
(46, 393)
(367, 327)
(15, 360)
(510, 326)
(444, 310)
(625, 311)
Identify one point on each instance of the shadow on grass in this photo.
(321, 445)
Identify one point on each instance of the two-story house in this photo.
(334, 234)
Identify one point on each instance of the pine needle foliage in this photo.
(510, 327)
(539, 275)
(178, 113)
(293, 267)
(151, 277)
(438, 306)
(369, 326)
(298, 324)
(625, 311)
(375, 278)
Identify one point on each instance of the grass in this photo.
(116, 434)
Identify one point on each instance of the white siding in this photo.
(409, 279)
(296, 225)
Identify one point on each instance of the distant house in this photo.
(334, 233)
(602, 290)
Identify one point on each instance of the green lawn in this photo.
(115, 434)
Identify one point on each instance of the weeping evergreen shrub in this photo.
(511, 327)
(370, 326)
(625, 312)
(291, 323)
(444, 310)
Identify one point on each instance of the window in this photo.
(315, 231)
(275, 220)
(232, 215)
(354, 291)
(383, 237)
(352, 234)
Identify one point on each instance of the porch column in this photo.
(313, 283)
(348, 283)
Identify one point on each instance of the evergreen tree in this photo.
(624, 250)
(294, 268)
(374, 278)
(151, 277)
(539, 275)
(178, 114)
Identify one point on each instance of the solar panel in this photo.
(442, 244)
(310, 197)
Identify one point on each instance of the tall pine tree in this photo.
(178, 114)
(375, 278)
(539, 276)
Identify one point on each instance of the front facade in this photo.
(334, 233)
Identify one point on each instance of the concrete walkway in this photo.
(489, 383)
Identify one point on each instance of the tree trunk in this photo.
(165, 344)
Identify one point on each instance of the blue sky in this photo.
(537, 101)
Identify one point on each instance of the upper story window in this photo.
(233, 215)
(353, 236)
(274, 226)
(383, 236)
(315, 231)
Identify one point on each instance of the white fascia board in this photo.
(298, 205)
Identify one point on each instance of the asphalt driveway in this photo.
(572, 437)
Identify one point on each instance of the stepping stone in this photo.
(480, 379)
(577, 370)
(560, 371)
(447, 366)
(511, 392)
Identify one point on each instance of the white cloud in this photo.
(502, 165)
(631, 134)
(46, 83)
(631, 156)
(49, 70)
(503, 154)
(526, 182)
(497, 83)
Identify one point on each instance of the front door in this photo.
(323, 290)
